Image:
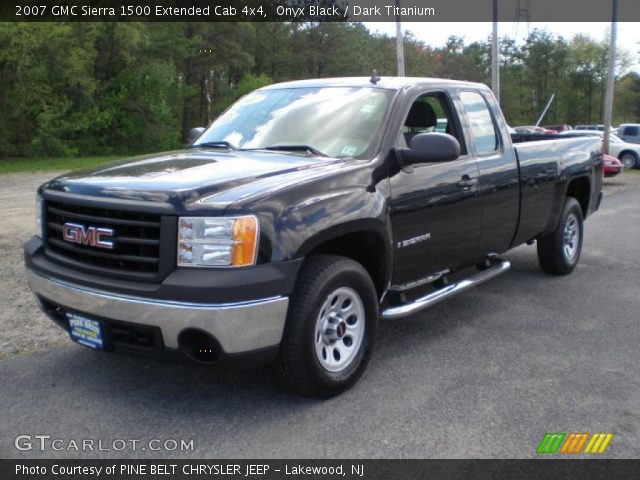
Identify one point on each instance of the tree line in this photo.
(98, 88)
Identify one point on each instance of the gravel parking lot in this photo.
(483, 375)
(23, 329)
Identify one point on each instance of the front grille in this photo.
(136, 238)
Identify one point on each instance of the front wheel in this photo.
(330, 327)
(629, 159)
(559, 251)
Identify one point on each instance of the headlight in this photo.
(217, 241)
(38, 215)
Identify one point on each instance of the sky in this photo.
(436, 34)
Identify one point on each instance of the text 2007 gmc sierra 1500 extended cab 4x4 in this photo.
(304, 213)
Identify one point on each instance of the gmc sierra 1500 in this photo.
(302, 214)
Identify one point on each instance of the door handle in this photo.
(466, 182)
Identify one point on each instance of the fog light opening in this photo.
(199, 346)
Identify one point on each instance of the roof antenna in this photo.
(374, 77)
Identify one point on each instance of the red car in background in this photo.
(559, 128)
(612, 166)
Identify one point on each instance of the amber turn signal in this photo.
(245, 238)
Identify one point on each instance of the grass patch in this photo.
(40, 164)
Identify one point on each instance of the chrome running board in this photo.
(497, 267)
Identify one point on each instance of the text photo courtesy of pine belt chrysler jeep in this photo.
(303, 214)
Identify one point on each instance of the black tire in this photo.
(629, 159)
(298, 363)
(552, 248)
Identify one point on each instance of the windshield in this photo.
(612, 137)
(334, 121)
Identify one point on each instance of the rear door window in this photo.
(483, 130)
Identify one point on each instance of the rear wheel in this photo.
(629, 159)
(559, 251)
(330, 327)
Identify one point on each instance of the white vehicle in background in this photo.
(627, 153)
(599, 128)
(629, 132)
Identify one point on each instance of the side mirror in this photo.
(194, 133)
(430, 148)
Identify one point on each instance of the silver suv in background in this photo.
(629, 132)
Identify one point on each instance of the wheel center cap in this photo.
(342, 328)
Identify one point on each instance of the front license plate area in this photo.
(85, 331)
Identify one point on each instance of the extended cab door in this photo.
(498, 166)
(435, 208)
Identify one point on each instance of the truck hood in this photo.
(202, 176)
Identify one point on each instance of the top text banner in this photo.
(318, 10)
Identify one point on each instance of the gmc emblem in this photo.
(92, 236)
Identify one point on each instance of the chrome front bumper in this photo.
(238, 327)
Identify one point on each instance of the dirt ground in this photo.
(23, 329)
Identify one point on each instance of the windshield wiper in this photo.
(220, 144)
(292, 148)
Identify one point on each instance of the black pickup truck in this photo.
(304, 213)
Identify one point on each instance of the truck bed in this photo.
(544, 163)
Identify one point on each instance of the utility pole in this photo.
(399, 42)
(608, 97)
(495, 64)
